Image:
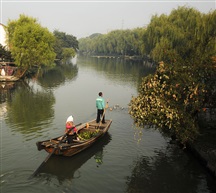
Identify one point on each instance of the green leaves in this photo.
(85, 135)
(68, 53)
(118, 42)
(30, 43)
(5, 55)
(183, 35)
(65, 45)
(185, 81)
(161, 101)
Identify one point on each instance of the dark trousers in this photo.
(99, 115)
(70, 138)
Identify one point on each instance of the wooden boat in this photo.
(12, 73)
(91, 128)
(58, 164)
(8, 78)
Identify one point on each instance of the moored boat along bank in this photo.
(10, 73)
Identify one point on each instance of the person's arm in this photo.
(75, 129)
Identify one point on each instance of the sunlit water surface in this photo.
(123, 161)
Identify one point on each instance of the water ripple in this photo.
(41, 183)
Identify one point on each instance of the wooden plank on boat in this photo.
(8, 78)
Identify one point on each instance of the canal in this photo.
(126, 160)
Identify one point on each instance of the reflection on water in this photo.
(6, 90)
(169, 172)
(28, 108)
(36, 109)
(67, 167)
(118, 70)
(54, 77)
(29, 104)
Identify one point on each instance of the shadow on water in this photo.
(67, 167)
(160, 174)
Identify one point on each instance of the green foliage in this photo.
(5, 55)
(183, 36)
(118, 42)
(67, 41)
(169, 99)
(58, 49)
(30, 43)
(185, 82)
(87, 134)
(94, 35)
(65, 45)
(67, 53)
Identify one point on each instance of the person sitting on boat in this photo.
(70, 129)
(3, 72)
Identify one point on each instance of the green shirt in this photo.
(100, 103)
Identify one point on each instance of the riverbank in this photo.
(204, 147)
(120, 56)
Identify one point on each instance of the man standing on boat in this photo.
(100, 104)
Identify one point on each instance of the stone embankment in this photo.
(204, 148)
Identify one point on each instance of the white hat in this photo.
(70, 118)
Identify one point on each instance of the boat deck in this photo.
(101, 125)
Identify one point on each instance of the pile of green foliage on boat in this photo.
(87, 134)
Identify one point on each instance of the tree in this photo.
(5, 55)
(67, 53)
(67, 41)
(65, 45)
(30, 43)
(184, 84)
(169, 101)
(117, 42)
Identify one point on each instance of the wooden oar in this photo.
(50, 154)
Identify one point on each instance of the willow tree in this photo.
(117, 42)
(30, 43)
(184, 83)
